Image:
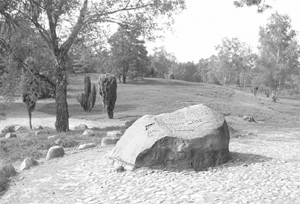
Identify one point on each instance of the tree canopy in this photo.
(61, 23)
(279, 52)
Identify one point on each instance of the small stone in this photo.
(106, 141)
(27, 163)
(115, 133)
(8, 129)
(38, 132)
(81, 127)
(54, 152)
(246, 118)
(52, 137)
(10, 135)
(129, 167)
(88, 133)
(86, 146)
(58, 142)
(18, 127)
(39, 127)
(120, 169)
(8, 170)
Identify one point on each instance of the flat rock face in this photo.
(194, 137)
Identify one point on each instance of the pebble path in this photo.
(265, 169)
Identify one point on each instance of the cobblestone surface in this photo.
(264, 169)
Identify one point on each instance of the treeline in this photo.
(273, 68)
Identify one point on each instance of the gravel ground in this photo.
(264, 169)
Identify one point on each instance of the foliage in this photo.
(88, 98)
(279, 55)
(16, 46)
(54, 21)
(261, 5)
(162, 62)
(128, 53)
(45, 90)
(186, 71)
(108, 93)
(208, 70)
(235, 61)
(171, 76)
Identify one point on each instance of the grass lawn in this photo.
(153, 96)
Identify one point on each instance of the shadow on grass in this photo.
(158, 81)
(238, 159)
(77, 110)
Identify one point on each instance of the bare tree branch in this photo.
(80, 23)
(97, 17)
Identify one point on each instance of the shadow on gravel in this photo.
(3, 192)
(7, 186)
(243, 159)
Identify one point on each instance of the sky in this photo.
(201, 27)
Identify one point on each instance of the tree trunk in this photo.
(244, 79)
(124, 78)
(119, 76)
(62, 113)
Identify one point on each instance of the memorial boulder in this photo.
(194, 137)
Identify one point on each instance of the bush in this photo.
(171, 76)
(108, 92)
(88, 98)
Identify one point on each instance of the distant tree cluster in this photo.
(274, 68)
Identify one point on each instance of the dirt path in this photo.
(16, 113)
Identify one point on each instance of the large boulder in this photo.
(194, 137)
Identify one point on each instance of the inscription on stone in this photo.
(186, 126)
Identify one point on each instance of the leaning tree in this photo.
(60, 23)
